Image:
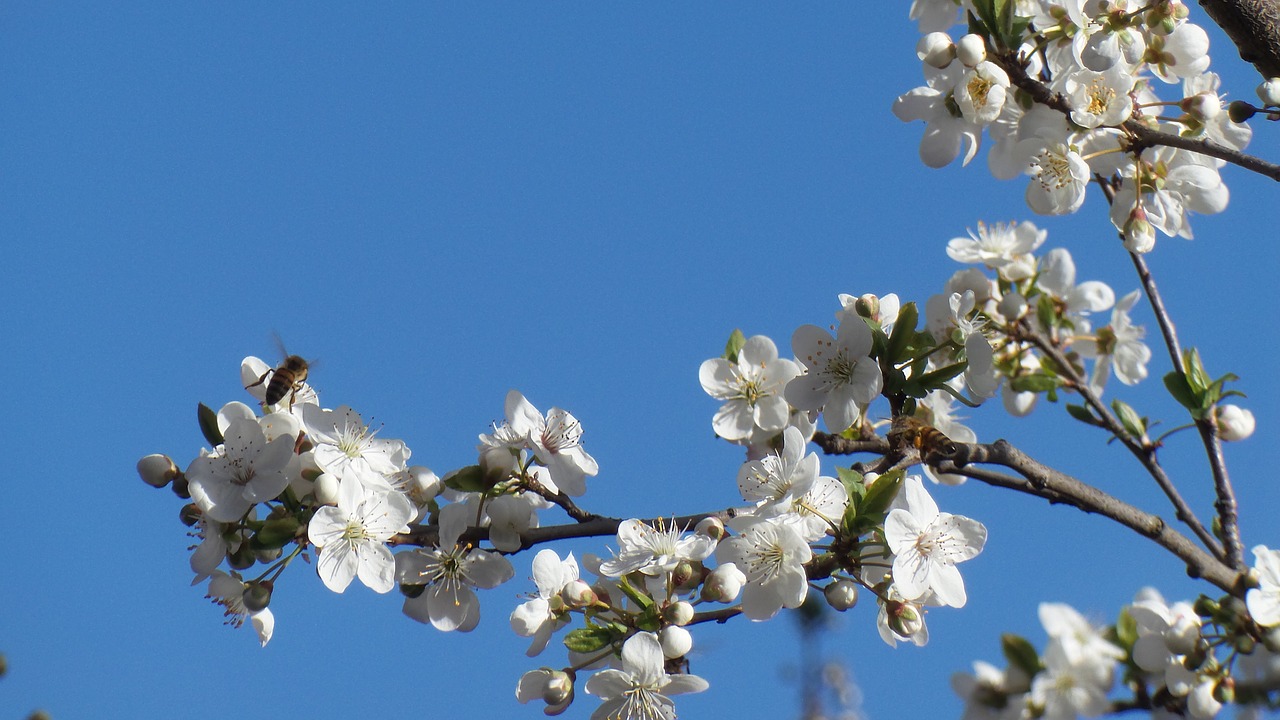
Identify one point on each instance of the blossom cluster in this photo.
(1064, 89)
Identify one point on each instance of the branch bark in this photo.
(1254, 28)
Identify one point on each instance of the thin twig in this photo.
(1145, 452)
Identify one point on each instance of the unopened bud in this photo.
(1206, 607)
(971, 50)
(558, 689)
(157, 470)
(257, 596)
(1139, 235)
(1269, 92)
(711, 527)
(189, 515)
(267, 555)
(1240, 111)
(1234, 422)
(326, 489)
(678, 613)
(1201, 703)
(423, 484)
(686, 574)
(578, 594)
(412, 591)
(179, 487)
(676, 641)
(1013, 306)
(723, 584)
(936, 49)
(242, 558)
(1203, 106)
(1244, 644)
(841, 594)
(867, 306)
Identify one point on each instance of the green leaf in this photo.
(588, 639)
(468, 479)
(1197, 378)
(1177, 385)
(209, 425)
(1020, 653)
(734, 346)
(1082, 413)
(276, 533)
(1126, 630)
(639, 598)
(853, 483)
(1036, 383)
(1046, 313)
(1133, 423)
(904, 330)
(937, 378)
(881, 494)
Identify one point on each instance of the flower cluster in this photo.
(1064, 92)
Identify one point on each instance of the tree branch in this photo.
(1254, 27)
(1058, 487)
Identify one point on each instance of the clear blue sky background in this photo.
(579, 200)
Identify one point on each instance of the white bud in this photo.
(578, 594)
(841, 594)
(1269, 92)
(157, 470)
(423, 484)
(678, 613)
(1234, 422)
(1203, 106)
(936, 49)
(676, 641)
(326, 489)
(1201, 703)
(1139, 234)
(971, 50)
(1013, 306)
(711, 527)
(723, 584)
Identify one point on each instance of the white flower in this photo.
(556, 441)
(1165, 632)
(1080, 641)
(928, 544)
(1066, 689)
(246, 470)
(450, 571)
(1264, 601)
(554, 687)
(839, 374)
(987, 694)
(751, 389)
(1003, 247)
(537, 618)
(944, 133)
(1058, 278)
(1059, 178)
(655, 552)
(901, 620)
(1234, 422)
(1119, 346)
(1182, 53)
(228, 592)
(344, 446)
(212, 549)
(981, 94)
(779, 477)
(1173, 184)
(641, 689)
(352, 536)
(772, 556)
(1100, 98)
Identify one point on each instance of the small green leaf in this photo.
(937, 378)
(588, 639)
(853, 483)
(468, 479)
(1082, 413)
(881, 494)
(734, 346)
(276, 533)
(1036, 383)
(1177, 385)
(1046, 313)
(1020, 653)
(639, 598)
(1126, 630)
(1197, 378)
(209, 425)
(904, 329)
(1133, 423)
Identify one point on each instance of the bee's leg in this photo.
(261, 380)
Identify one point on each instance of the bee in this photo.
(908, 431)
(286, 378)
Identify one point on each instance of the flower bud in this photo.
(257, 596)
(553, 687)
(326, 489)
(867, 306)
(1244, 644)
(1201, 703)
(157, 470)
(841, 594)
(1234, 422)
(559, 688)
(711, 527)
(1205, 607)
(242, 557)
(1269, 92)
(1203, 106)
(189, 515)
(936, 49)
(412, 591)
(268, 555)
(1013, 306)
(971, 50)
(678, 613)
(578, 594)
(423, 484)
(179, 487)
(1139, 234)
(723, 584)
(676, 641)
(683, 573)
(1239, 111)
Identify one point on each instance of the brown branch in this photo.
(598, 526)
(1057, 487)
(1254, 27)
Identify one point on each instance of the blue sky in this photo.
(440, 203)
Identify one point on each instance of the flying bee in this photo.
(908, 431)
(286, 378)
